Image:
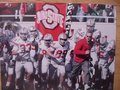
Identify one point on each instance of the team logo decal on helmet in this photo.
(50, 17)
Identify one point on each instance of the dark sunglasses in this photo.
(90, 26)
(63, 39)
(23, 33)
(33, 31)
(88, 36)
(48, 40)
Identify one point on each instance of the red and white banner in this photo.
(50, 18)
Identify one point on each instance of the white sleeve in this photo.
(68, 57)
(39, 50)
(15, 49)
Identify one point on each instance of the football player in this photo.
(21, 54)
(90, 25)
(35, 37)
(5, 56)
(58, 54)
(95, 50)
(44, 58)
(103, 62)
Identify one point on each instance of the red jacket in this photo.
(79, 51)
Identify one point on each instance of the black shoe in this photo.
(6, 88)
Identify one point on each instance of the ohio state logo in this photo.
(50, 17)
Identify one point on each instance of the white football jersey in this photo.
(43, 49)
(60, 51)
(22, 47)
(33, 49)
(111, 45)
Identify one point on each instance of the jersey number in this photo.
(25, 48)
(61, 54)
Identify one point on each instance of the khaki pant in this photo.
(78, 68)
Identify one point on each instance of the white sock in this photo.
(16, 87)
(59, 85)
(86, 86)
(7, 84)
(69, 82)
(76, 85)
